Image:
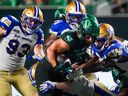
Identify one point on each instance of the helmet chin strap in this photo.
(28, 31)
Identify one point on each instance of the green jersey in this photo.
(77, 51)
(76, 39)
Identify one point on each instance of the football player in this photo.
(107, 39)
(17, 38)
(114, 50)
(108, 51)
(73, 46)
(75, 12)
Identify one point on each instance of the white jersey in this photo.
(15, 44)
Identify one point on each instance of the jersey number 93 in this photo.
(13, 46)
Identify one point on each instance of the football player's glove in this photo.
(47, 87)
(64, 68)
(36, 57)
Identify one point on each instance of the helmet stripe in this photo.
(35, 11)
(100, 24)
(110, 31)
(77, 6)
(38, 13)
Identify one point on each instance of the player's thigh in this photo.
(5, 87)
(43, 73)
(82, 86)
(23, 83)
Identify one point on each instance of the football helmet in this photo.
(32, 73)
(106, 35)
(32, 19)
(89, 27)
(75, 11)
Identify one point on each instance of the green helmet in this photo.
(59, 14)
(89, 26)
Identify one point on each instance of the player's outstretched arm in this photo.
(57, 47)
(2, 32)
(38, 52)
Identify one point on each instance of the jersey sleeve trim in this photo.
(40, 39)
(3, 25)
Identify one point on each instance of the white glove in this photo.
(47, 86)
(37, 57)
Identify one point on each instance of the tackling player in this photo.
(104, 42)
(108, 51)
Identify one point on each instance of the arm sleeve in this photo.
(40, 39)
(8, 22)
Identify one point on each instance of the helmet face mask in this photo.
(32, 19)
(101, 43)
(32, 24)
(75, 17)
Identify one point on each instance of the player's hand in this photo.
(37, 57)
(47, 87)
(64, 67)
(76, 66)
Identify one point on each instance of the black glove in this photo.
(64, 68)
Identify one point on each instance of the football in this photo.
(61, 58)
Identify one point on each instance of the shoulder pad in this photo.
(7, 21)
(59, 27)
(57, 24)
(71, 39)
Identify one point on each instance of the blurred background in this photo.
(114, 12)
